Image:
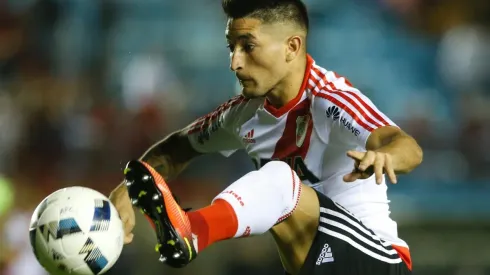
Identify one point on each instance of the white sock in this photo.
(263, 198)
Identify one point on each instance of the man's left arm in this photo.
(356, 121)
(389, 150)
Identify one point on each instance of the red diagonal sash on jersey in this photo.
(287, 145)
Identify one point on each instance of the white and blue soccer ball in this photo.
(76, 231)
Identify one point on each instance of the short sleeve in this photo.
(351, 116)
(216, 131)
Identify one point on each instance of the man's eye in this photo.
(230, 47)
(249, 47)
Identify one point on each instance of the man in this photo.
(332, 143)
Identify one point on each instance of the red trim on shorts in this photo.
(404, 253)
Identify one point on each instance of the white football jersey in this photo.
(312, 133)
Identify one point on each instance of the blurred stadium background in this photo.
(86, 85)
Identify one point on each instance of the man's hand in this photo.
(369, 163)
(120, 198)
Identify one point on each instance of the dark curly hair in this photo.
(268, 11)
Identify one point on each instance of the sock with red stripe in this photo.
(250, 206)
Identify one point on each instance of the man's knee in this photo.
(302, 209)
(302, 224)
(286, 183)
(279, 173)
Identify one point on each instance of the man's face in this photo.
(257, 54)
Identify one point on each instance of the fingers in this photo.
(128, 224)
(128, 238)
(384, 164)
(128, 219)
(378, 168)
(368, 163)
(358, 156)
(353, 176)
(120, 198)
(389, 169)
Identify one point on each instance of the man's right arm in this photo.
(171, 155)
(211, 133)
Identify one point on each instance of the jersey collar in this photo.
(286, 108)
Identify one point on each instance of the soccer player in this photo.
(320, 146)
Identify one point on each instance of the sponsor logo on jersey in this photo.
(333, 112)
(349, 126)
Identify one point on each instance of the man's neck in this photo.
(289, 87)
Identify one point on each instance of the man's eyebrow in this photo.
(246, 36)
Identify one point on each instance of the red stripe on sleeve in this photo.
(370, 110)
(355, 105)
(208, 119)
(346, 109)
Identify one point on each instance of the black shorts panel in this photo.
(344, 246)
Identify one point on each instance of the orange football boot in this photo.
(149, 192)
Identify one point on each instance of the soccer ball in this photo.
(76, 231)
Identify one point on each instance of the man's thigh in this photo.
(294, 236)
(344, 246)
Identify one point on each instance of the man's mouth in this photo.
(243, 79)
